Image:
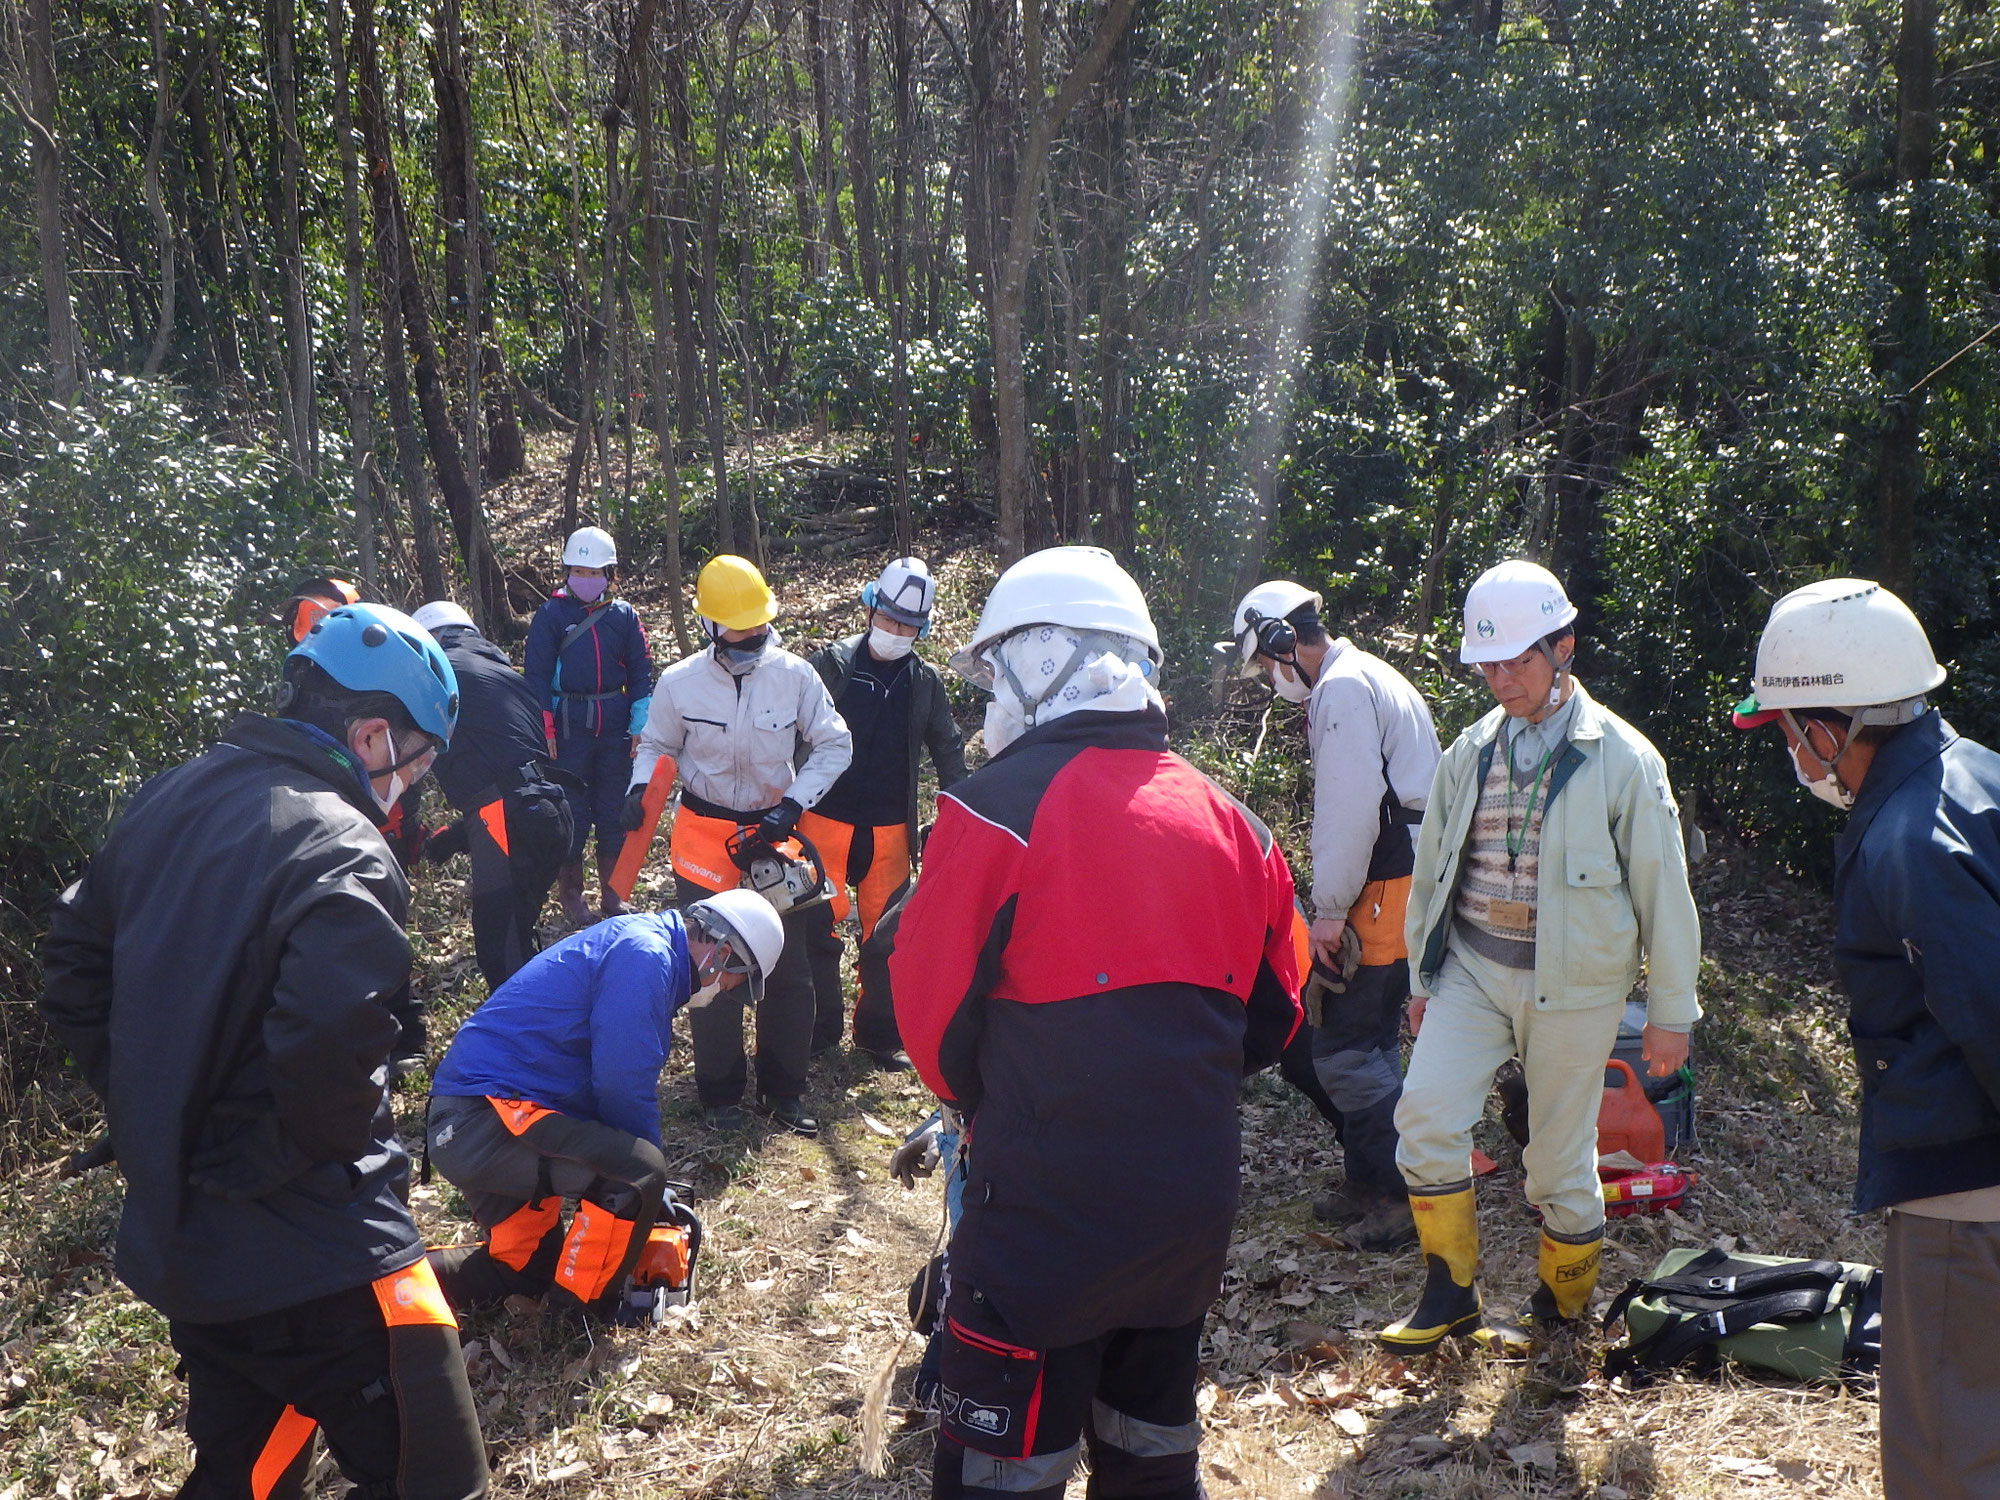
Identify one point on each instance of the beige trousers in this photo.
(1940, 1395)
(1480, 1014)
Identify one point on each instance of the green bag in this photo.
(1810, 1319)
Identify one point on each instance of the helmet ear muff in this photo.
(286, 695)
(1276, 637)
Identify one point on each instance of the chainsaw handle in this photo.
(745, 844)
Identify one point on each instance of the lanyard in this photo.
(1516, 843)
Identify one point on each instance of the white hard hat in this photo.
(750, 925)
(590, 547)
(1841, 643)
(904, 592)
(1509, 607)
(442, 614)
(1268, 601)
(1082, 588)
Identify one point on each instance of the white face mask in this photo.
(886, 645)
(397, 784)
(1287, 684)
(1828, 788)
(706, 993)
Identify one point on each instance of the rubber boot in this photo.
(610, 902)
(569, 893)
(1566, 1272)
(1448, 1231)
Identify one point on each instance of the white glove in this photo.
(917, 1156)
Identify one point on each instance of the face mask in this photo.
(397, 784)
(1828, 788)
(706, 993)
(1004, 725)
(886, 645)
(1287, 684)
(738, 657)
(589, 590)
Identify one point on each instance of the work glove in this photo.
(442, 843)
(253, 1163)
(776, 825)
(633, 814)
(918, 1156)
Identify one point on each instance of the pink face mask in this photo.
(589, 590)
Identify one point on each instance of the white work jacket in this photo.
(734, 738)
(1370, 730)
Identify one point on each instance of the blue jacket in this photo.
(584, 1027)
(1917, 902)
(601, 684)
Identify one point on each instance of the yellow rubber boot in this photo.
(1567, 1274)
(1448, 1232)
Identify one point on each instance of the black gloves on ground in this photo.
(253, 1163)
(633, 813)
(776, 825)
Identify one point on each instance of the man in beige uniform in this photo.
(1548, 869)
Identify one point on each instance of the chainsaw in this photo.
(789, 882)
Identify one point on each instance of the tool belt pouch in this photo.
(992, 1387)
(1815, 1320)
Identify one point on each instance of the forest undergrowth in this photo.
(756, 1390)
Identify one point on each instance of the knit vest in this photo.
(1486, 875)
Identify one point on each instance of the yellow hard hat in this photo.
(731, 592)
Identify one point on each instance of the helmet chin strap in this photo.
(1826, 765)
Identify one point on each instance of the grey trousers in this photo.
(1940, 1360)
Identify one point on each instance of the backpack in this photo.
(1816, 1320)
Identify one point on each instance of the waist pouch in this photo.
(1817, 1320)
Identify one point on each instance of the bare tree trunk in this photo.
(902, 62)
(1046, 113)
(156, 199)
(861, 152)
(359, 400)
(1900, 469)
(661, 362)
(468, 520)
(459, 177)
(276, 381)
(281, 23)
(415, 482)
(805, 198)
(211, 245)
(65, 349)
(680, 215)
(711, 314)
(826, 162)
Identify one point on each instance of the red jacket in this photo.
(1097, 953)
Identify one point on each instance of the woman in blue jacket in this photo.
(590, 668)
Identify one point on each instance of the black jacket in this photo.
(931, 724)
(1099, 949)
(1917, 899)
(226, 959)
(499, 741)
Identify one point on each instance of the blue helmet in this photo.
(370, 648)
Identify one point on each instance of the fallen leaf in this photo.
(800, 1205)
(1534, 1456)
(761, 1286)
(567, 1471)
(1350, 1421)
(886, 1132)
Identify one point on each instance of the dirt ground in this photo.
(757, 1390)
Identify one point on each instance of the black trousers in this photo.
(1014, 1421)
(392, 1402)
(1357, 1053)
(784, 1021)
(512, 873)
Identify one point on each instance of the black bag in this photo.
(1809, 1319)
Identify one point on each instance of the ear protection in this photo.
(1275, 636)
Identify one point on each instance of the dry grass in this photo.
(800, 1295)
